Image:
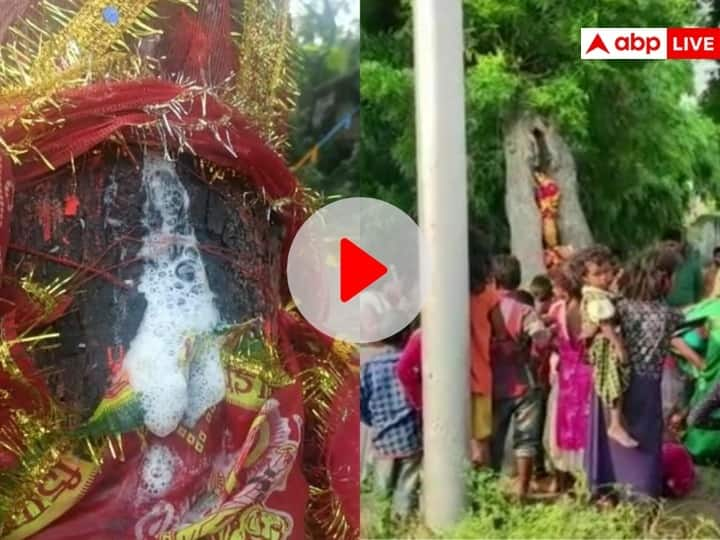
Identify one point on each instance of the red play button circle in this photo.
(354, 270)
(358, 270)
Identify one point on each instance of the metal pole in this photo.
(442, 191)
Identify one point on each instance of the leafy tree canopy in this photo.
(328, 49)
(642, 146)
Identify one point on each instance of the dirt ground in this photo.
(704, 499)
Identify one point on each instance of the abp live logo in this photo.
(649, 43)
(623, 43)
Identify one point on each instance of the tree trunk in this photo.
(239, 247)
(522, 212)
(532, 141)
(573, 227)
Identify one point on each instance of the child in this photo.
(571, 382)
(409, 370)
(543, 295)
(396, 434)
(367, 353)
(516, 395)
(542, 290)
(606, 350)
(648, 325)
(542, 298)
(485, 321)
(524, 297)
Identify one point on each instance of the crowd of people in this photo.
(602, 371)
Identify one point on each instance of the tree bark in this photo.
(572, 224)
(532, 141)
(522, 212)
(239, 243)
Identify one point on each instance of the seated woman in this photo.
(702, 437)
(704, 413)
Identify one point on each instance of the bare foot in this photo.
(475, 454)
(622, 437)
(479, 453)
(519, 494)
(605, 503)
(555, 485)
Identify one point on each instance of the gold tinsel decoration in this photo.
(68, 44)
(46, 296)
(7, 363)
(246, 349)
(264, 88)
(37, 441)
(320, 385)
(58, 47)
(326, 511)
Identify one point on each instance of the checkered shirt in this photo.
(395, 426)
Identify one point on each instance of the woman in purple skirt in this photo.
(647, 328)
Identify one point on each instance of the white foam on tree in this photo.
(173, 385)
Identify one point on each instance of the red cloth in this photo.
(409, 370)
(95, 112)
(269, 496)
(274, 484)
(678, 470)
(89, 116)
(344, 451)
(270, 490)
(275, 489)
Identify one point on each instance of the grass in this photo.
(494, 516)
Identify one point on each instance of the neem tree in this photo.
(622, 140)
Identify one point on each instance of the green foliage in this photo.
(328, 48)
(492, 84)
(495, 516)
(387, 134)
(642, 148)
(711, 98)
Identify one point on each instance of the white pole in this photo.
(442, 191)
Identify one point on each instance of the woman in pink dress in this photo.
(571, 382)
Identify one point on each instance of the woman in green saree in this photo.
(702, 333)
